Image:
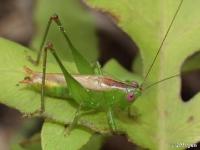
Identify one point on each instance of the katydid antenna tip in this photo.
(162, 42)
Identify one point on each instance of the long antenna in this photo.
(161, 45)
(147, 87)
(157, 82)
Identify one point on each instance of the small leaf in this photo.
(95, 143)
(54, 137)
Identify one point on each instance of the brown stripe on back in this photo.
(111, 82)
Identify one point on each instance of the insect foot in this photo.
(67, 130)
(37, 113)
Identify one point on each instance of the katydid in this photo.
(90, 91)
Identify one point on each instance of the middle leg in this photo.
(111, 121)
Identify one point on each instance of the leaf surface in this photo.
(165, 120)
(54, 137)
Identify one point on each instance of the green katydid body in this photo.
(105, 92)
(90, 91)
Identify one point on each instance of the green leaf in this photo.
(114, 69)
(164, 119)
(54, 137)
(34, 143)
(138, 65)
(95, 143)
(191, 63)
(29, 147)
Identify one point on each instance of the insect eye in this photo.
(130, 97)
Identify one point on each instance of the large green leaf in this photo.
(164, 119)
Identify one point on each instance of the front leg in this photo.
(74, 121)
